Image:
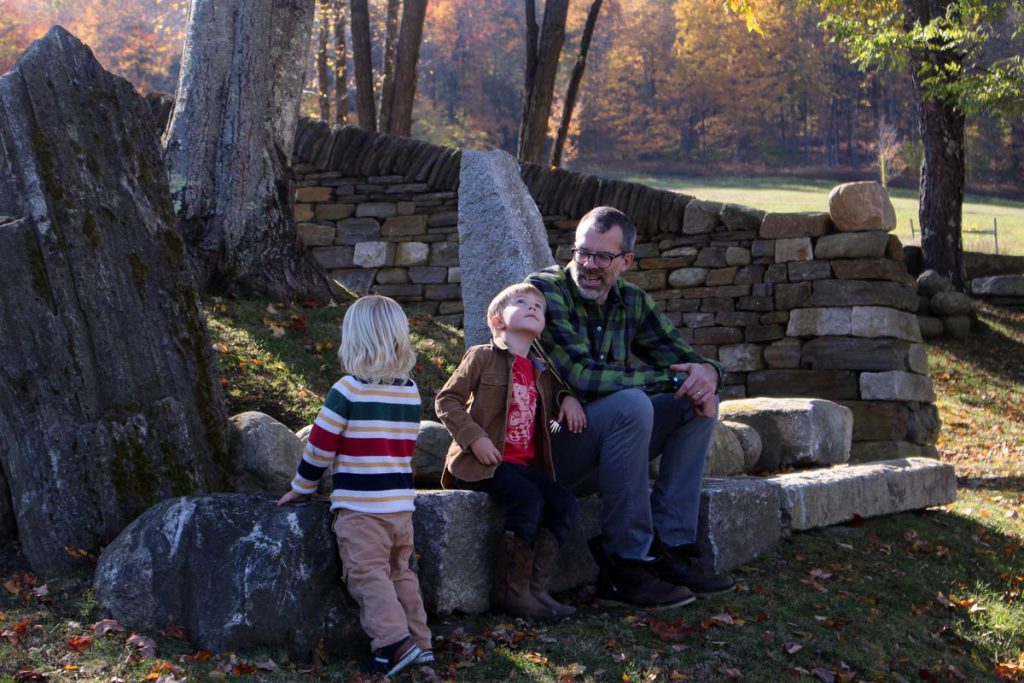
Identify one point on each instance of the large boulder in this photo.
(108, 402)
(235, 572)
(432, 442)
(264, 453)
(797, 432)
(725, 457)
(861, 206)
(501, 234)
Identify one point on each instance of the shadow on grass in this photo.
(991, 349)
(935, 592)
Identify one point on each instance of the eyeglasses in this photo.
(600, 259)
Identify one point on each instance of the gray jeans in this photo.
(624, 431)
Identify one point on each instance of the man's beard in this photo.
(589, 293)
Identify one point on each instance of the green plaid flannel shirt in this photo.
(590, 344)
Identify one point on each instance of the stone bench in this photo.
(237, 572)
(740, 518)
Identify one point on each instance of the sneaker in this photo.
(634, 583)
(680, 565)
(424, 657)
(391, 659)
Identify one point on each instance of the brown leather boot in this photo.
(545, 561)
(511, 593)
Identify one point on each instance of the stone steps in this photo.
(740, 518)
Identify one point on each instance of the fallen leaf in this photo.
(670, 631)
(102, 628)
(29, 675)
(79, 643)
(820, 574)
(243, 669)
(269, 665)
(200, 656)
(732, 672)
(792, 648)
(823, 674)
(276, 331)
(145, 645)
(220, 347)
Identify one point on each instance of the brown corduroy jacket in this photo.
(474, 403)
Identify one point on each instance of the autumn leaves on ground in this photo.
(933, 596)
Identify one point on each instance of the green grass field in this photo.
(797, 194)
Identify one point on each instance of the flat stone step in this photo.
(819, 498)
(457, 534)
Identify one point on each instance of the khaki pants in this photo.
(375, 551)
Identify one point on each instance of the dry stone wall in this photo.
(790, 304)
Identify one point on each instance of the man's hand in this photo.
(699, 387)
(572, 411)
(289, 497)
(485, 451)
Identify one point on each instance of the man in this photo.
(664, 404)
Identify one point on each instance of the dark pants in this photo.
(532, 500)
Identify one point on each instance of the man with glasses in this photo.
(646, 392)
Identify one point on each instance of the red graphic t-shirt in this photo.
(522, 414)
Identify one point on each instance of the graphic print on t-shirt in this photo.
(521, 411)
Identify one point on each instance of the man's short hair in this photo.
(604, 218)
(503, 298)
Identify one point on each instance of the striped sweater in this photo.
(366, 434)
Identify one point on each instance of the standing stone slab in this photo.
(492, 195)
(795, 431)
(235, 572)
(107, 398)
(824, 497)
(739, 520)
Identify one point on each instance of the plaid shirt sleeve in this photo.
(569, 351)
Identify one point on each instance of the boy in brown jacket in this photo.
(498, 406)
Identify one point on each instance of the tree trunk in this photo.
(229, 144)
(943, 166)
(322, 81)
(574, 84)
(363, 58)
(340, 67)
(387, 88)
(533, 127)
(406, 61)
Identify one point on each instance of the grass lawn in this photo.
(796, 194)
(936, 595)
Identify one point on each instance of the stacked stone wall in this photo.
(790, 305)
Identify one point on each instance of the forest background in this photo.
(671, 86)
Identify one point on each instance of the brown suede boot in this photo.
(511, 593)
(545, 561)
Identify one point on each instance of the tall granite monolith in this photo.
(501, 234)
(108, 402)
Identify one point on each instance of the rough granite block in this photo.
(824, 497)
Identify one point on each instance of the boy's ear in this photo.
(496, 323)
